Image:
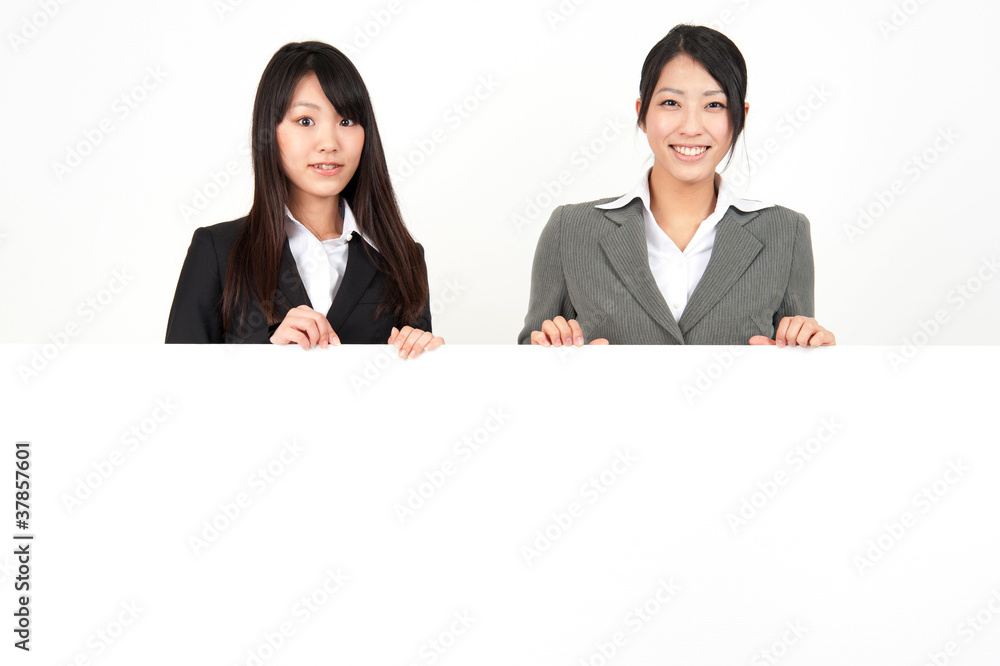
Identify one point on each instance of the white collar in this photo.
(727, 197)
(296, 229)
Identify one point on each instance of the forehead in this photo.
(686, 74)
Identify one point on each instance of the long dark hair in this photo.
(255, 259)
(713, 51)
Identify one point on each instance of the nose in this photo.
(691, 121)
(326, 139)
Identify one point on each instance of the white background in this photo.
(560, 79)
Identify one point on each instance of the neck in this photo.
(675, 203)
(320, 215)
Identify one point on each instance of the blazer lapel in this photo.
(291, 292)
(357, 276)
(734, 249)
(626, 249)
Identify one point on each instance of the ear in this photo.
(638, 106)
(746, 110)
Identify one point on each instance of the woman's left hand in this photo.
(797, 331)
(411, 341)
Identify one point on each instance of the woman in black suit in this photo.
(324, 257)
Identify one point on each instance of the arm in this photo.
(195, 316)
(799, 296)
(794, 324)
(412, 340)
(549, 294)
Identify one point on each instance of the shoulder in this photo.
(779, 219)
(223, 234)
(781, 215)
(586, 218)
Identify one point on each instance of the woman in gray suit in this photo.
(680, 259)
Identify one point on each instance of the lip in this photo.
(689, 158)
(327, 172)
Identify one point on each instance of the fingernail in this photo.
(579, 340)
(557, 343)
(781, 343)
(402, 354)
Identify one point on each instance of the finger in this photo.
(401, 337)
(779, 333)
(334, 338)
(822, 338)
(809, 329)
(293, 336)
(576, 332)
(436, 342)
(420, 344)
(600, 341)
(407, 345)
(794, 327)
(761, 340)
(551, 333)
(308, 325)
(392, 336)
(565, 334)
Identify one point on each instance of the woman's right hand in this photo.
(306, 327)
(558, 333)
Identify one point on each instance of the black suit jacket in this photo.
(196, 313)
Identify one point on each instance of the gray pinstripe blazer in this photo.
(591, 265)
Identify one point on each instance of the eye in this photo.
(347, 122)
(716, 105)
(305, 121)
(668, 102)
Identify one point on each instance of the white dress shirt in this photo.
(321, 264)
(677, 272)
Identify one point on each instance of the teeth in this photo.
(684, 150)
(326, 167)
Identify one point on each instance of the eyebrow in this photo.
(307, 104)
(675, 91)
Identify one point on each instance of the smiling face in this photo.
(320, 150)
(687, 122)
